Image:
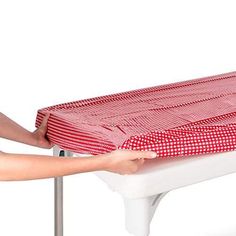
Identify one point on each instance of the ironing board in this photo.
(191, 125)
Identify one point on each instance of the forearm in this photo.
(11, 130)
(26, 167)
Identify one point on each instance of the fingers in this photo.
(136, 164)
(126, 161)
(139, 162)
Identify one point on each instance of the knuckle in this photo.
(134, 168)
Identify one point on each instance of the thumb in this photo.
(43, 125)
(132, 155)
(144, 154)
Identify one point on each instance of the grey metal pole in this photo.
(58, 198)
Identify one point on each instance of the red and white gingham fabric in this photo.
(185, 118)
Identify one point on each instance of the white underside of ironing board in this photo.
(143, 190)
(162, 175)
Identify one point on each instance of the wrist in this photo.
(33, 140)
(101, 162)
(105, 161)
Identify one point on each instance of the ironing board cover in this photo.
(184, 118)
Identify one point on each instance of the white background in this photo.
(59, 51)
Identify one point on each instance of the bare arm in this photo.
(27, 167)
(9, 129)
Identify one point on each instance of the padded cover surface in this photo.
(179, 119)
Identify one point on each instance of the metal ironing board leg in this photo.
(58, 198)
(58, 195)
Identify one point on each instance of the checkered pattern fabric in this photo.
(179, 119)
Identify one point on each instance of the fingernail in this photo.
(153, 155)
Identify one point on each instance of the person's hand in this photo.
(126, 161)
(39, 135)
